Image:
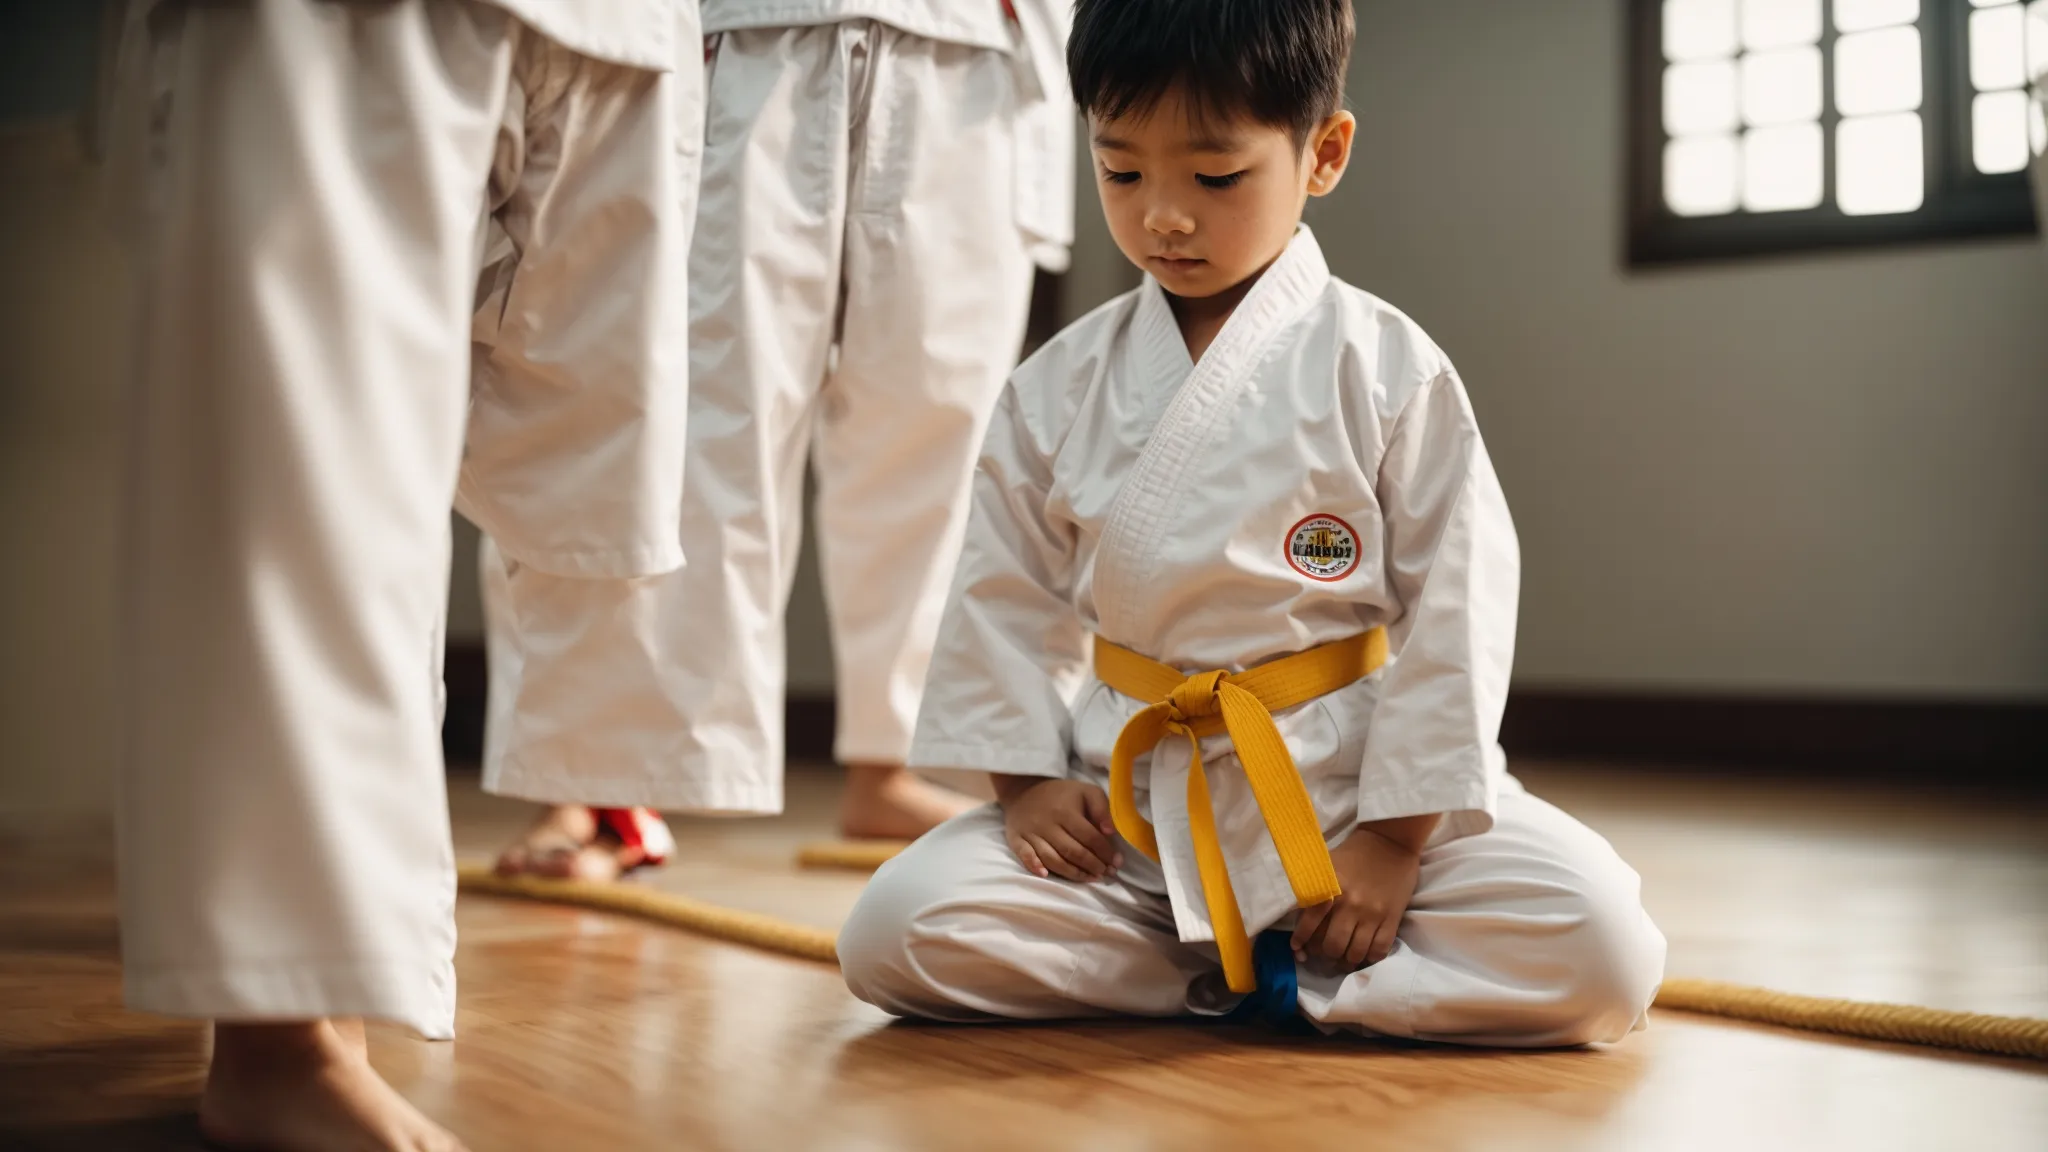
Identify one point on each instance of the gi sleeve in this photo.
(1454, 566)
(1010, 653)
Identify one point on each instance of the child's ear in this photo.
(1330, 145)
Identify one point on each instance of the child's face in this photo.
(1203, 209)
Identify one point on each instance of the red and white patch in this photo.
(1322, 548)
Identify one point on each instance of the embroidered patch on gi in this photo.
(1322, 548)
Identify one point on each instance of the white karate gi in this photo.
(878, 179)
(1126, 492)
(308, 186)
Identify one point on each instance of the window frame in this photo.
(1960, 202)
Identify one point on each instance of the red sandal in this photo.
(641, 829)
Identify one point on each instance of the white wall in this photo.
(1821, 474)
(63, 336)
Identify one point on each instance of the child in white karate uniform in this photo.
(1257, 497)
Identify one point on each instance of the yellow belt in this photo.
(1242, 704)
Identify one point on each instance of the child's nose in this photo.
(1165, 216)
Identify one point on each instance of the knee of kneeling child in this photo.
(1616, 961)
(896, 947)
(874, 948)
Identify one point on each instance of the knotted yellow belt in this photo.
(1242, 704)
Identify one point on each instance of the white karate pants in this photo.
(308, 185)
(1529, 935)
(858, 292)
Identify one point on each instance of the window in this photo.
(1760, 126)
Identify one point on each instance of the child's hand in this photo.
(1061, 827)
(1376, 874)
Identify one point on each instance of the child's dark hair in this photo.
(1281, 62)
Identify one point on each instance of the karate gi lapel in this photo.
(1147, 503)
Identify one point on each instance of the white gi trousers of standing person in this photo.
(307, 187)
(878, 181)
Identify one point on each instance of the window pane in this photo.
(1998, 131)
(1781, 168)
(1997, 60)
(1863, 15)
(1699, 175)
(2037, 40)
(1781, 87)
(1699, 29)
(1780, 23)
(1877, 72)
(1877, 164)
(1699, 98)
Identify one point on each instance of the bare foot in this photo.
(886, 802)
(600, 860)
(302, 1087)
(353, 1035)
(556, 835)
(572, 842)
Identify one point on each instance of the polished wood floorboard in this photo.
(579, 1030)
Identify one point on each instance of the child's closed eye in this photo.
(1115, 177)
(1220, 181)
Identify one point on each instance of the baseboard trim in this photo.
(1937, 742)
(1975, 743)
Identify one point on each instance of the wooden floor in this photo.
(579, 1031)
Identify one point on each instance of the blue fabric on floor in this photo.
(1274, 1000)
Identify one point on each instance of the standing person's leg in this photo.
(577, 429)
(680, 699)
(938, 287)
(307, 272)
(553, 845)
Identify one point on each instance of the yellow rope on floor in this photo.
(851, 855)
(749, 928)
(1895, 1023)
